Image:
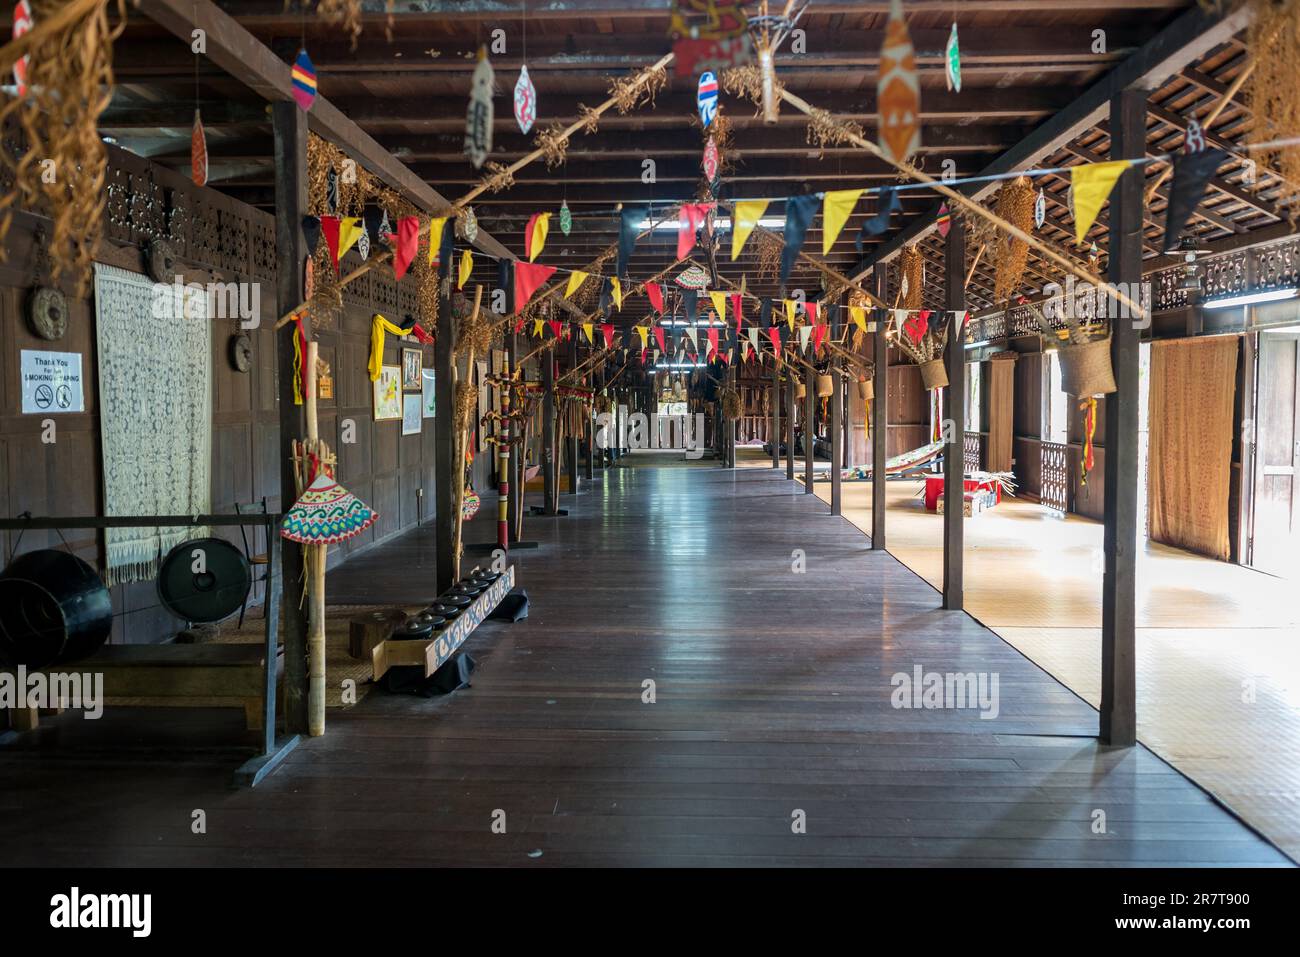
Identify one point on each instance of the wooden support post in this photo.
(290, 130)
(447, 472)
(789, 422)
(837, 422)
(809, 426)
(879, 418)
(774, 433)
(1118, 682)
(954, 419)
(550, 461)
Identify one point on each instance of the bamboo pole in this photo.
(1044, 251)
(315, 564)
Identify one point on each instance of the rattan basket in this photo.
(824, 386)
(800, 390)
(1086, 369)
(866, 390)
(933, 374)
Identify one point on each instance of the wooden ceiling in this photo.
(1023, 61)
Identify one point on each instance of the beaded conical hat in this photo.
(326, 514)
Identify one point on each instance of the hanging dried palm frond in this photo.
(825, 130)
(61, 169)
(628, 92)
(1273, 40)
(769, 256)
(553, 144)
(1015, 204)
(326, 301)
(731, 405)
(345, 13)
(911, 277)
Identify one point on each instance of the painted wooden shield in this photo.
(706, 98)
(198, 152)
(525, 101)
(22, 23)
(710, 162)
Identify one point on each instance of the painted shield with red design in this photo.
(898, 92)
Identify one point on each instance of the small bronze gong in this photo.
(161, 261)
(241, 352)
(47, 313)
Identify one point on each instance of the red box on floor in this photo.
(934, 488)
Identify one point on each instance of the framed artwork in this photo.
(388, 393)
(411, 408)
(430, 398)
(412, 361)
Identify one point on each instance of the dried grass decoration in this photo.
(60, 168)
(911, 272)
(1273, 40)
(731, 406)
(1015, 204)
(345, 13)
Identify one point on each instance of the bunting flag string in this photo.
(466, 268)
(539, 224)
(436, 226)
(719, 300)
(408, 244)
(576, 279)
(1090, 185)
(747, 214)
(655, 293)
(837, 206)
(349, 232)
(528, 276)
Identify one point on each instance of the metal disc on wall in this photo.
(241, 352)
(204, 579)
(47, 313)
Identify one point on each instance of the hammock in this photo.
(899, 465)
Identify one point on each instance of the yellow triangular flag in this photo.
(642, 331)
(719, 304)
(859, 316)
(435, 236)
(541, 225)
(466, 267)
(349, 232)
(617, 286)
(837, 205)
(576, 279)
(748, 213)
(537, 328)
(586, 329)
(1092, 183)
(790, 306)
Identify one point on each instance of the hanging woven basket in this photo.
(866, 389)
(825, 387)
(1086, 369)
(800, 390)
(933, 374)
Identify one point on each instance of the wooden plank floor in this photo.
(772, 697)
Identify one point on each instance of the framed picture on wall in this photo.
(388, 393)
(430, 404)
(412, 362)
(411, 407)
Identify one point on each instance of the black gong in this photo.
(204, 579)
(53, 609)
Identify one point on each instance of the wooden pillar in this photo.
(879, 417)
(954, 418)
(1118, 724)
(516, 492)
(774, 433)
(550, 461)
(290, 130)
(837, 421)
(789, 422)
(809, 426)
(447, 471)
(590, 467)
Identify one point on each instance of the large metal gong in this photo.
(204, 580)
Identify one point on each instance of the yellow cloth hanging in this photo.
(837, 205)
(748, 213)
(435, 236)
(378, 326)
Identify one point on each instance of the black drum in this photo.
(204, 580)
(53, 609)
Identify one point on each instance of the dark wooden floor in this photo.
(772, 697)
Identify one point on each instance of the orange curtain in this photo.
(1002, 390)
(1190, 465)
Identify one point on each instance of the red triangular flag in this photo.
(689, 219)
(736, 300)
(528, 276)
(774, 334)
(607, 330)
(556, 328)
(713, 339)
(818, 333)
(656, 294)
(810, 308)
(659, 338)
(408, 244)
(643, 357)
(519, 327)
(329, 226)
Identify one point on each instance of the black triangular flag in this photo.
(372, 216)
(765, 313)
(880, 222)
(506, 282)
(1192, 173)
(799, 212)
(606, 305)
(629, 225)
(690, 299)
(311, 233)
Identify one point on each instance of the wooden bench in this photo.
(196, 676)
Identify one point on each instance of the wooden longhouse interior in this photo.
(673, 433)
